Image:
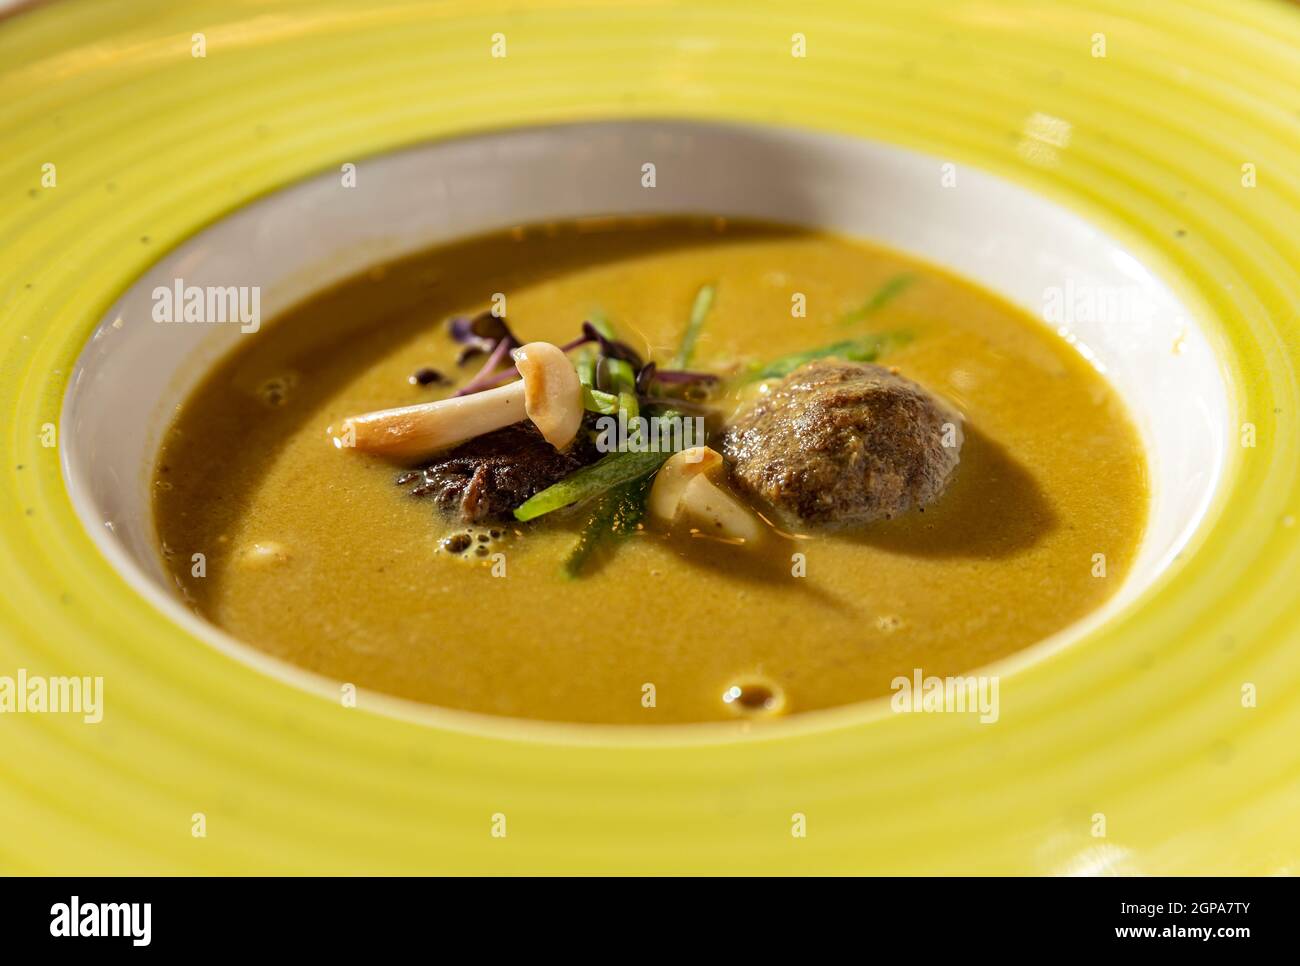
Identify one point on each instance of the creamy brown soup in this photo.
(314, 555)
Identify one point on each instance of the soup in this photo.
(348, 563)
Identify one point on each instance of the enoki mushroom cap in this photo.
(678, 471)
(549, 394)
(552, 392)
(685, 489)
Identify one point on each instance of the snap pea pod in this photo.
(615, 514)
(606, 473)
(609, 471)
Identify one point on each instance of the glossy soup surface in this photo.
(315, 556)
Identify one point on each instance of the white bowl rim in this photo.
(887, 194)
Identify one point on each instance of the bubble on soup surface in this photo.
(754, 697)
(457, 543)
(274, 392)
(471, 541)
(264, 555)
(888, 623)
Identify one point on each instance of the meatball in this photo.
(837, 443)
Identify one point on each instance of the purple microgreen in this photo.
(611, 348)
(488, 375)
(480, 334)
(644, 378)
(497, 378)
(576, 343)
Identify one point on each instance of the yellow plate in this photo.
(1142, 722)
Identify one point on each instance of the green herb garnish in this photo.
(892, 289)
(610, 471)
(593, 400)
(605, 474)
(601, 403)
(699, 310)
(865, 349)
(622, 379)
